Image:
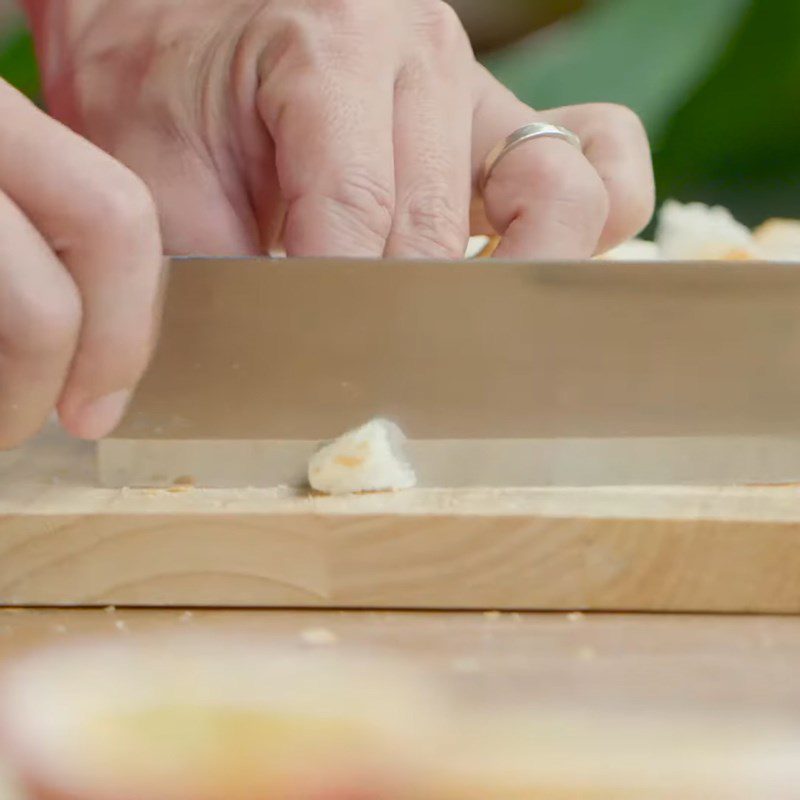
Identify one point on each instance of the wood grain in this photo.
(720, 665)
(65, 542)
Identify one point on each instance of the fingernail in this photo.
(99, 417)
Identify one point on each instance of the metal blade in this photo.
(500, 373)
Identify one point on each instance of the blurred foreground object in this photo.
(229, 719)
(221, 719)
(659, 755)
(9, 788)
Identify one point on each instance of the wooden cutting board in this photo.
(65, 542)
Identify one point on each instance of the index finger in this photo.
(99, 219)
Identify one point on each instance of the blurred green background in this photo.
(717, 82)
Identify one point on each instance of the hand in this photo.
(354, 127)
(80, 258)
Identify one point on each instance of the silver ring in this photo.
(534, 130)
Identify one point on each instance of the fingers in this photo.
(328, 107)
(432, 142)
(615, 142)
(40, 315)
(100, 221)
(544, 198)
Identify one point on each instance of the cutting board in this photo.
(65, 542)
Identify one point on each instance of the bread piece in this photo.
(213, 718)
(697, 232)
(779, 239)
(368, 459)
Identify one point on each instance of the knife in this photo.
(505, 374)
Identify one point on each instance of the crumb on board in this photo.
(576, 616)
(492, 615)
(110, 609)
(186, 616)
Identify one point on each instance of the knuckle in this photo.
(292, 42)
(123, 206)
(443, 27)
(345, 17)
(435, 224)
(367, 201)
(620, 116)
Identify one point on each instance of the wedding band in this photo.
(527, 133)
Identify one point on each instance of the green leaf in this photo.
(646, 54)
(18, 62)
(737, 140)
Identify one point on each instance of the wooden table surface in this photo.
(717, 664)
(611, 706)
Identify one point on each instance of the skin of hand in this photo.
(344, 127)
(80, 267)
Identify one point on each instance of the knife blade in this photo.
(500, 374)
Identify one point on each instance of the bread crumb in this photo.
(492, 615)
(110, 609)
(367, 459)
(185, 617)
(576, 616)
(319, 636)
(120, 625)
